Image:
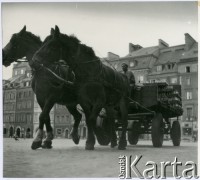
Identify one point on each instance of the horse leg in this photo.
(110, 116)
(37, 142)
(45, 115)
(124, 115)
(91, 116)
(77, 119)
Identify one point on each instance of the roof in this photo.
(26, 79)
(21, 64)
(170, 55)
(192, 53)
(143, 51)
(15, 79)
(143, 63)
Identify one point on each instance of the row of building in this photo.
(160, 63)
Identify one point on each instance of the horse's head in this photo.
(21, 44)
(57, 47)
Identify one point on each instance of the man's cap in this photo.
(124, 65)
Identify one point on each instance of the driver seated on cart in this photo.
(129, 74)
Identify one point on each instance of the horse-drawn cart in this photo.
(150, 111)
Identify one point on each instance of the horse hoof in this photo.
(36, 144)
(76, 139)
(89, 147)
(47, 145)
(113, 144)
(121, 147)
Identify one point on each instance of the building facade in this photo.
(21, 111)
(171, 64)
(160, 63)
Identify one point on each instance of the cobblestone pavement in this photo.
(69, 160)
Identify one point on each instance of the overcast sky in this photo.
(106, 27)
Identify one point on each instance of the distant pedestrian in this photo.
(16, 138)
(194, 138)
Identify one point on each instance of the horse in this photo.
(47, 89)
(99, 86)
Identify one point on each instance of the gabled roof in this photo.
(170, 55)
(143, 51)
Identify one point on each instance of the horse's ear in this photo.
(52, 31)
(56, 32)
(23, 30)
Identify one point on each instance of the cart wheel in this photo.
(175, 133)
(157, 131)
(133, 135)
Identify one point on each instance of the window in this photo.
(140, 79)
(187, 69)
(28, 74)
(188, 81)
(27, 83)
(19, 106)
(4, 130)
(58, 119)
(189, 111)
(29, 104)
(23, 105)
(169, 66)
(20, 95)
(180, 79)
(22, 71)
(59, 131)
(159, 68)
(12, 118)
(152, 80)
(163, 80)
(174, 80)
(28, 118)
(188, 95)
(15, 72)
(132, 64)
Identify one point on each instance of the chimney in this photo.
(162, 44)
(189, 41)
(112, 56)
(133, 47)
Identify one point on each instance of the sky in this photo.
(104, 26)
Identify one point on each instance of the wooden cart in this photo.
(151, 108)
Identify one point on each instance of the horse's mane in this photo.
(29, 35)
(84, 47)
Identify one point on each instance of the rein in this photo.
(51, 72)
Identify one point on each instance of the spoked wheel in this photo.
(157, 131)
(133, 135)
(175, 133)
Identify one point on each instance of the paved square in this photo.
(67, 160)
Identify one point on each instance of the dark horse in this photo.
(46, 87)
(99, 86)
